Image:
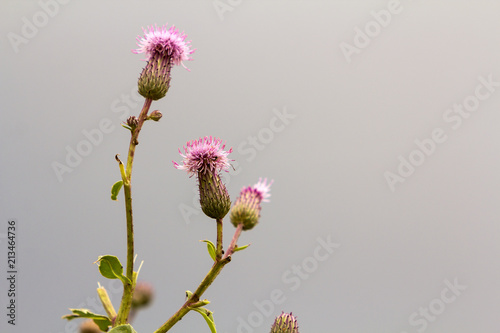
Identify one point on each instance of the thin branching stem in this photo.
(128, 288)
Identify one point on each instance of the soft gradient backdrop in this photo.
(377, 120)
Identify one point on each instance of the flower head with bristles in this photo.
(285, 323)
(160, 41)
(246, 209)
(262, 188)
(163, 48)
(206, 157)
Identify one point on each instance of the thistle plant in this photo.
(204, 158)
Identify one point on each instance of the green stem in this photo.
(195, 297)
(218, 253)
(128, 288)
(232, 245)
(135, 134)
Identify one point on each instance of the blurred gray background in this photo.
(377, 120)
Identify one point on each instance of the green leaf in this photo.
(83, 313)
(111, 268)
(210, 248)
(239, 248)
(123, 329)
(102, 321)
(103, 324)
(127, 127)
(115, 189)
(209, 318)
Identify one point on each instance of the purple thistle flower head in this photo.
(163, 48)
(246, 209)
(205, 155)
(263, 189)
(163, 42)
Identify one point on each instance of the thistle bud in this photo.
(132, 122)
(155, 115)
(143, 295)
(246, 209)
(285, 323)
(155, 78)
(88, 326)
(214, 198)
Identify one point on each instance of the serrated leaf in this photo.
(102, 321)
(122, 329)
(111, 268)
(115, 189)
(239, 248)
(210, 248)
(209, 318)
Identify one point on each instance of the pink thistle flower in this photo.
(160, 41)
(263, 189)
(204, 155)
(163, 48)
(246, 209)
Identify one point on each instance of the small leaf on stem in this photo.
(127, 127)
(209, 318)
(239, 248)
(115, 189)
(102, 321)
(111, 268)
(122, 329)
(210, 248)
